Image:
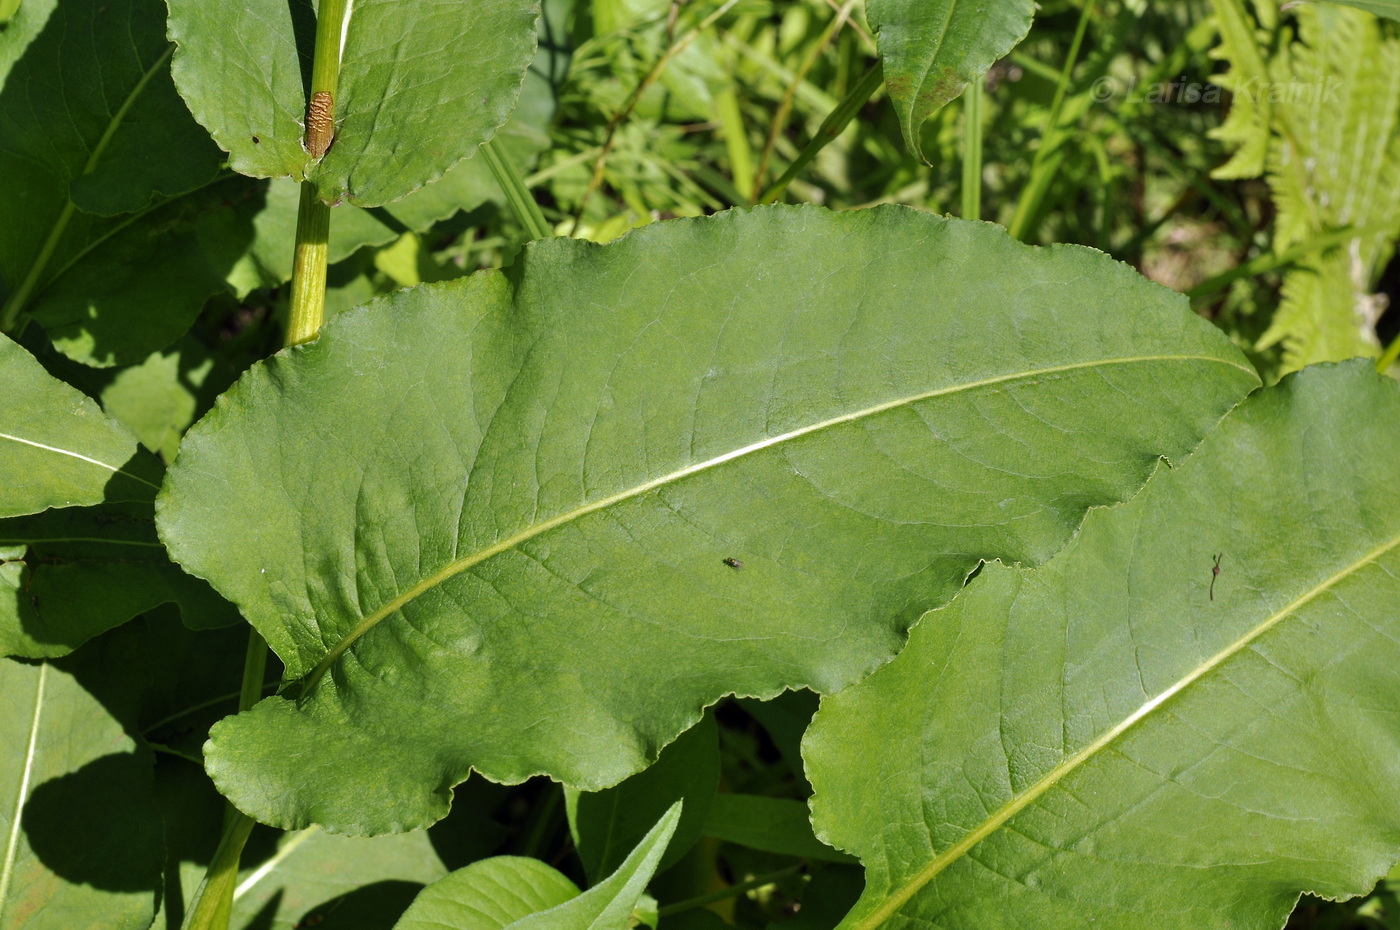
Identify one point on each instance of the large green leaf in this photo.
(607, 824)
(421, 86)
(57, 447)
(309, 878)
(1125, 739)
(932, 49)
(489, 522)
(79, 830)
(90, 127)
(526, 894)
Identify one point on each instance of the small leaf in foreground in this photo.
(526, 894)
(1098, 743)
(485, 522)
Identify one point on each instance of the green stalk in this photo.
(733, 891)
(308, 297)
(1392, 352)
(213, 901)
(831, 128)
(780, 117)
(1042, 171)
(517, 192)
(972, 152)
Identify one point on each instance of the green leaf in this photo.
(1122, 738)
(421, 87)
(136, 287)
(487, 522)
(158, 398)
(607, 824)
(489, 895)
(932, 49)
(465, 187)
(68, 575)
(90, 127)
(526, 894)
(1390, 9)
(57, 447)
(80, 839)
(776, 825)
(336, 881)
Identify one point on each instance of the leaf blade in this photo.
(683, 381)
(59, 449)
(420, 88)
(932, 49)
(1171, 705)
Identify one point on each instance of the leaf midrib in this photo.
(460, 565)
(12, 842)
(1011, 808)
(78, 455)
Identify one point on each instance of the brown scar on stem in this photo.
(320, 123)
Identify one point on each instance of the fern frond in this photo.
(1322, 316)
(1246, 128)
(1333, 164)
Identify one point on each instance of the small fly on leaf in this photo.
(1214, 574)
(733, 563)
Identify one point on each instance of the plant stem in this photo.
(308, 297)
(517, 193)
(733, 891)
(1041, 172)
(213, 901)
(831, 128)
(972, 152)
(1392, 352)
